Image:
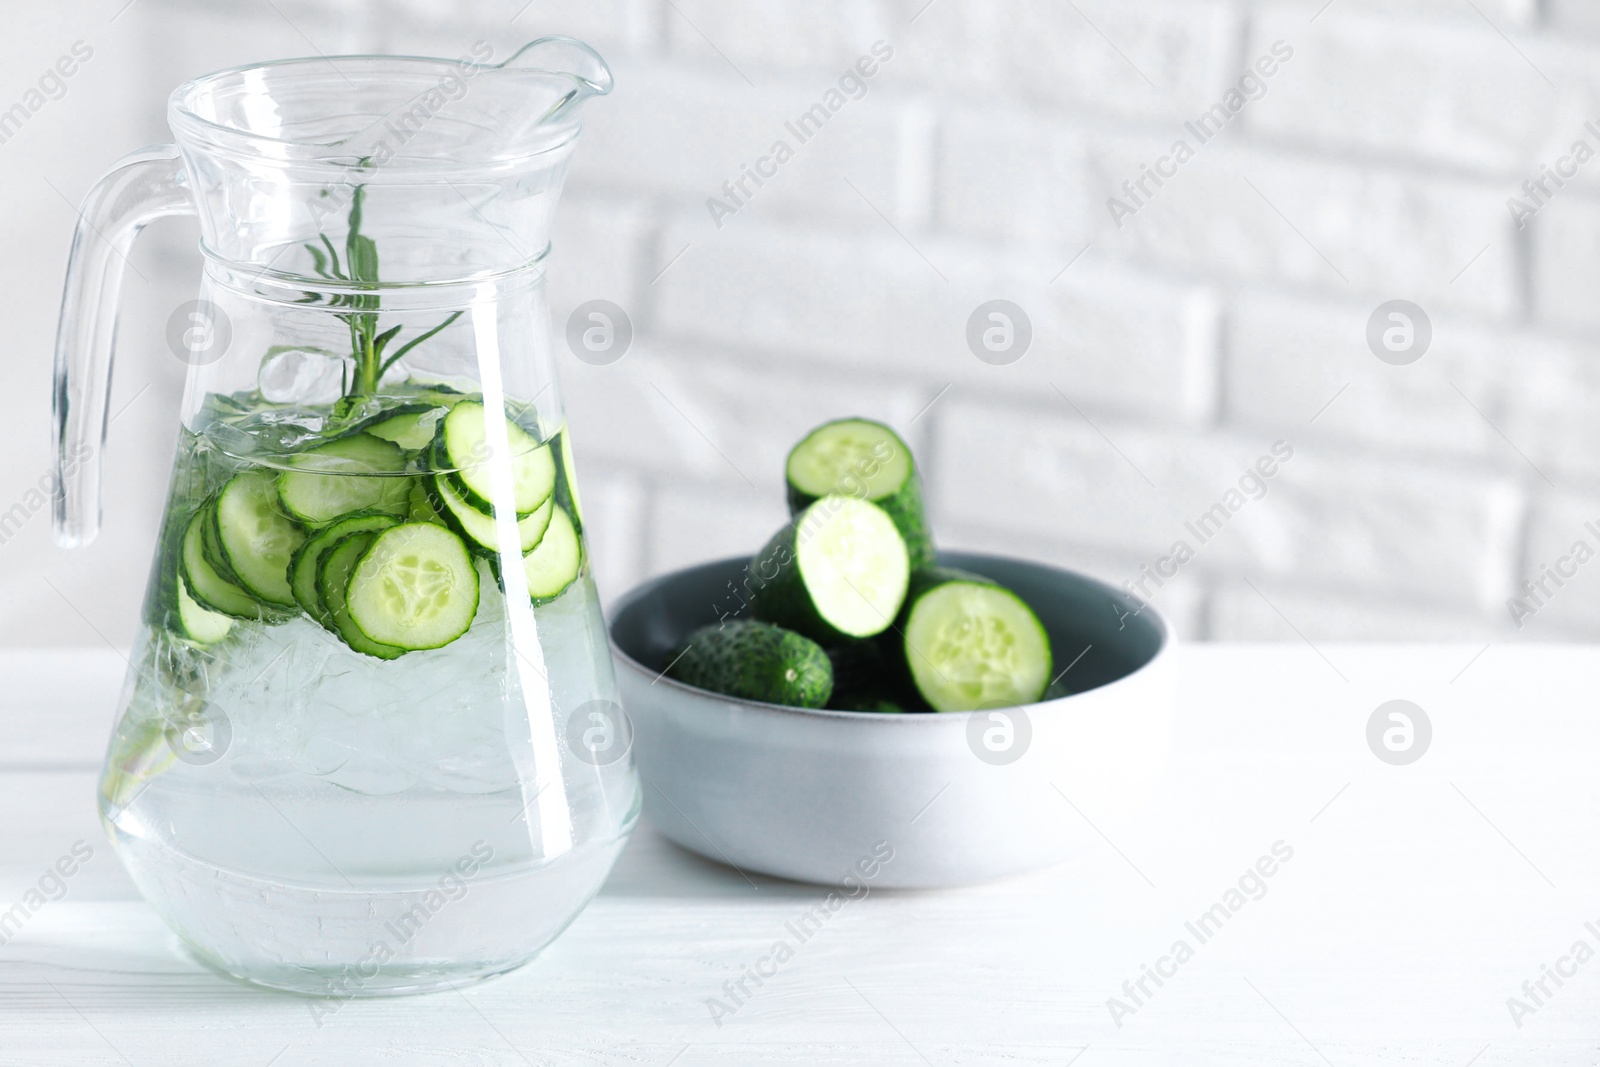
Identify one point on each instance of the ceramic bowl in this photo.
(913, 800)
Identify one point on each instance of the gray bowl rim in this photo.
(644, 589)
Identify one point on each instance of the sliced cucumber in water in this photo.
(412, 430)
(463, 449)
(971, 643)
(333, 583)
(864, 459)
(562, 442)
(555, 561)
(308, 559)
(354, 473)
(200, 624)
(420, 507)
(211, 589)
(479, 528)
(256, 537)
(415, 587)
(837, 572)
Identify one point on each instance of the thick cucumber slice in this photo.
(308, 559)
(209, 588)
(479, 528)
(415, 587)
(333, 582)
(463, 449)
(971, 643)
(200, 624)
(756, 661)
(354, 473)
(838, 571)
(256, 537)
(555, 560)
(868, 460)
(411, 430)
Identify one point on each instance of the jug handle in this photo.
(147, 185)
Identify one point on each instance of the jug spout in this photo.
(564, 55)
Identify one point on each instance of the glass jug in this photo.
(370, 739)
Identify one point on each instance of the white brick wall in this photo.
(1223, 316)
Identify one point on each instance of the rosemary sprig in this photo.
(360, 267)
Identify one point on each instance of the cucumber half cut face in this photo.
(973, 645)
(853, 563)
(856, 457)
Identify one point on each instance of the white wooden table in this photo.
(1418, 899)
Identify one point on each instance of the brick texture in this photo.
(1173, 343)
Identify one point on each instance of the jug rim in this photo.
(194, 129)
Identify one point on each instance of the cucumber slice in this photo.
(411, 430)
(972, 643)
(837, 571)
(415, 587)
(463, 449)
(354, 473)
(421, 507)
(308, 559)
(210, 589)
(865, 459)
(562, 442)
(555, 560)
(256, 537)
(478, 528)
(198, 623)
(333, 582)
(756, 661)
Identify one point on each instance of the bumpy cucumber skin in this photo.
(872, 675)
(756, 661)
(904, 505)
(924, 581)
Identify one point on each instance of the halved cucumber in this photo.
(463, 449)
(555, 560)
(415, 587)
(308, 559)
(210, 589)
(333, 583)
(478, 528)
(256, 537)
(410, 429)
(200, 624)
(867, 460)
(971, 643)
(838, 571)
(354, 473)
